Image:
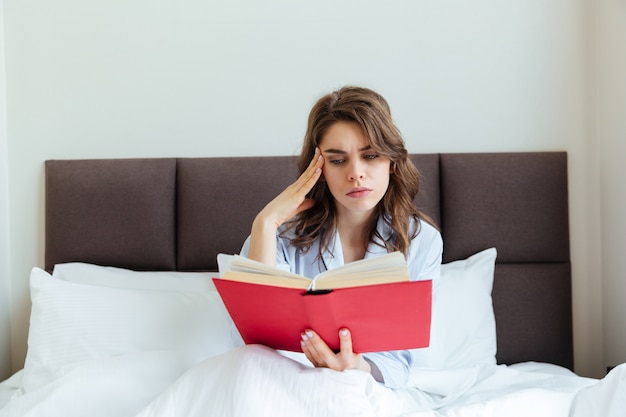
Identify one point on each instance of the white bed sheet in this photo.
(114, 387)
(9, 387)
(257, 381)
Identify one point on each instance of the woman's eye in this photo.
(370, 156)
(336, 161)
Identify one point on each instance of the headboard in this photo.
(179, 213)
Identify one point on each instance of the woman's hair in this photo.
(370, 111)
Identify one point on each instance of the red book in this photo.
(381, 316)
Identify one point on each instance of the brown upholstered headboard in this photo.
(179, 213)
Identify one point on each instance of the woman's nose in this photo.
(356, 171)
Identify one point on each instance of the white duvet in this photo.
(257, 381)
(168, 349)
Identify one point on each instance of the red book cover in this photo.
(382, 317)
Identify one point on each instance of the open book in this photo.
(373, 298)
(391, 267)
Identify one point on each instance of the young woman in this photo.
(353, 200)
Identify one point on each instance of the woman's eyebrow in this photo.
(342, 152)
(331, 150)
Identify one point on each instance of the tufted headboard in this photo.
(179, 213)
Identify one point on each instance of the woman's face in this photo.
(356, 175)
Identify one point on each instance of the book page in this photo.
(242, 264)
(380, 270)
(388, 268)
(271, 280)
(240, 268)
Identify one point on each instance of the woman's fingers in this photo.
(316, 350)
(320, 355)
(293, 199)
(316, 162)
(309, 177)
(345, 342)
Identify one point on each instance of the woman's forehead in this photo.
(344, 137)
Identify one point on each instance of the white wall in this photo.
(611, 125)
(195, 78)
(5, 290)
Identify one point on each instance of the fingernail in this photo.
(343, 332)
(309, 333)
(304, 337)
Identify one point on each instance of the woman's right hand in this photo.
(293, 199)
(286, 205)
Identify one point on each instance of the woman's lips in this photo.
(358, 192)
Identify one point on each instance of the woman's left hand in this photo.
(321, 356)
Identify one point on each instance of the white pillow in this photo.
(73, 322)
(463, 314)
(108, 276)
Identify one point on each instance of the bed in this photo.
(125, 320)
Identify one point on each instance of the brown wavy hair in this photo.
(371, 111)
